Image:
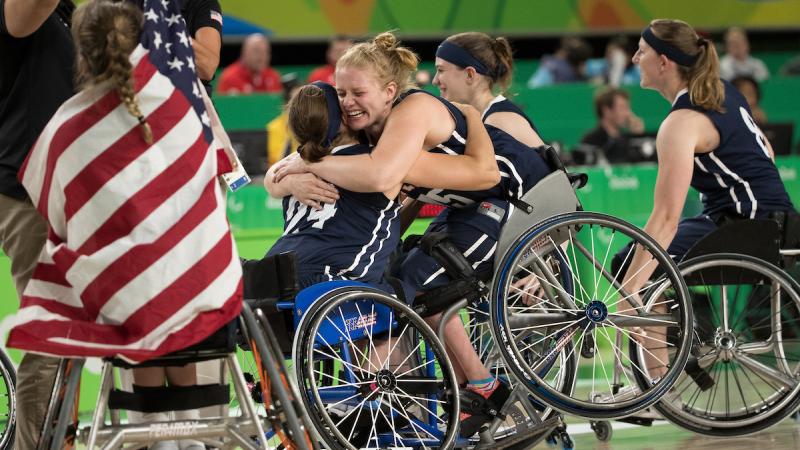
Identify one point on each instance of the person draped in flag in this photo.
(140, 260)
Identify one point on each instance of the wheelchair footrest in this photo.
(173, 398)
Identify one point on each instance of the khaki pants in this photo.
(23, 232)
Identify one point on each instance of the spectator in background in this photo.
(252, 72)
(752, 93)
(615, 68)
(567, 64)
(609, 140)
(737, 60)
(336, 48)
(280, 141)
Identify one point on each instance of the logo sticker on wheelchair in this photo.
(356, 323)
(173, 429)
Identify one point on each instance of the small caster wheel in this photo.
(566, 441)
(602, 430)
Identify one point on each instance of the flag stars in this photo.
(157, 40)
(204, 118)
(173, 19)
(175, 64)
(168, 47)
(197, 89)
(183, 38)
(190, 63)
(165, 3)
(151, 15)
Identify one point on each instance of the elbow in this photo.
(490, 178)
(206, 72)
(206, 66)
(381, 180)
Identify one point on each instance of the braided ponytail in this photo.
(105, 34)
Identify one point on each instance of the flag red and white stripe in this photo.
(140, 260)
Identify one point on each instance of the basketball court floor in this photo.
(665, 436)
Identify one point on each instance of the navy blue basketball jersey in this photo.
(738, 176)
(454, 145)
(349, 239)
(502, 104)
(520, 166)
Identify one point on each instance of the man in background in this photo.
(252, 72)
(336, 48)
(609, 140)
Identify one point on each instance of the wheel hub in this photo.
(596, 311)
(386, 380)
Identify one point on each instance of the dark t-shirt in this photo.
(199, 14)
(36, 77)
(616, 150)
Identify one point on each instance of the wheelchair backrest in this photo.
(755, 237)
(551, 196)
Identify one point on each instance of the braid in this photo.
(106, 33)
(120, 72)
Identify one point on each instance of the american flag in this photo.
(140, 260)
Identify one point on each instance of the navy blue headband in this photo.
(334, 112)
(667, 50)
(452, 53)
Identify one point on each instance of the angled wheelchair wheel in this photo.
(744, 372)
(8, 406)
(391, 384)
(562, 373)
(269, 386)
(555, 289)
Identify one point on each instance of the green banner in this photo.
(321, 18)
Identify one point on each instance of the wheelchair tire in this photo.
(8, 405)
(545, 323)
(396, 401)
(747, 352)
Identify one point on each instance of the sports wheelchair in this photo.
(556, 311)
(370, 373)
(743, 374)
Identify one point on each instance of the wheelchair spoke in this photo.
(619, 355)
(409, 355)
(765, 371)
(576, 277)
(404, 394)
(349, 339)
(353, 368)
(543, 280)
(396, 343)
(628, 334)
(608, 294)
(413, 424)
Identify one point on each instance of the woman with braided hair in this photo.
(140, 261)
(105, 34)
